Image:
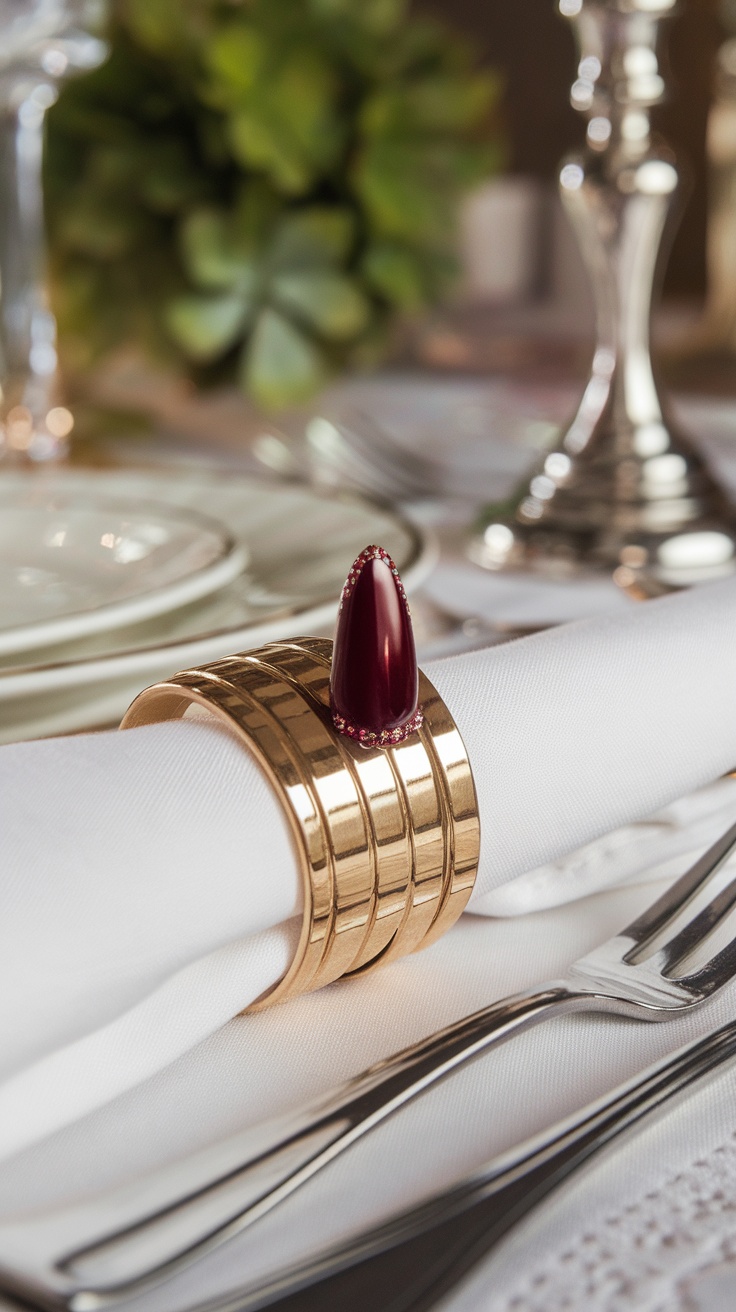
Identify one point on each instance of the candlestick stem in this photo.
(623, 489)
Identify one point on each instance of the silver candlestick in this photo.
(623, 489)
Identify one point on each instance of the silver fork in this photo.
(363, 452)
(409, 1262)
(119, 1244)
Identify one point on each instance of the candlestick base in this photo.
(624, 491)
(653, 517)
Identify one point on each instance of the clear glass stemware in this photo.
(41, 42)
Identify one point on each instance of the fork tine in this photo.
(698, 929)
(661, 912)
(719, 970)
(364, 435)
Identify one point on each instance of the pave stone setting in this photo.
(374, 679)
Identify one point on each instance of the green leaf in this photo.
(256, 212)
(382, 16)
(317, 235)
(288, 125)
(396, 273)
(303, 157)
(280, 365)
(206, 326)
(156, 24)
(236, 56)
(379, 16)
(305, 91)
(328, 301)
(440, 103)
(260, 141)
(212, 257)
(445, 103)
(411, 188)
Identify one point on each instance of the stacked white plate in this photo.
(111, 580)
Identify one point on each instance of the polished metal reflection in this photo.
(622, 477)
(670, 960)
(387, 839)
(422, 1254)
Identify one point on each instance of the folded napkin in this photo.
(149, 888)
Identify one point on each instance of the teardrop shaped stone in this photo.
(374, 684)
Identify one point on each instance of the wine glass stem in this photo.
(28, 358)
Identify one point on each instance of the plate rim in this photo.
(230, 560)
(26, 682)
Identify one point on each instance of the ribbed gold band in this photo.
(387, 839)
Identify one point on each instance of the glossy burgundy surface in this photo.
(374, 680)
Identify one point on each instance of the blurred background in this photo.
(421, 142)
(536, 55)
(354, 246)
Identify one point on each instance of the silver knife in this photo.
(413, 1260)
(406, 1264)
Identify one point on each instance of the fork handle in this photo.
(412, 1261)
(128, 1240)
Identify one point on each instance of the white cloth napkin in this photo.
(656, 1214)
(149, 889)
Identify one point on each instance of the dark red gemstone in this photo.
(374, 682)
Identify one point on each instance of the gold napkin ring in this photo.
(387, 838)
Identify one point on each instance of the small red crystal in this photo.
(374, 682)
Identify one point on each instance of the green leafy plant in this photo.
(256, 188)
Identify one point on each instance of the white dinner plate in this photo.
(300, 543)
(69, 568)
